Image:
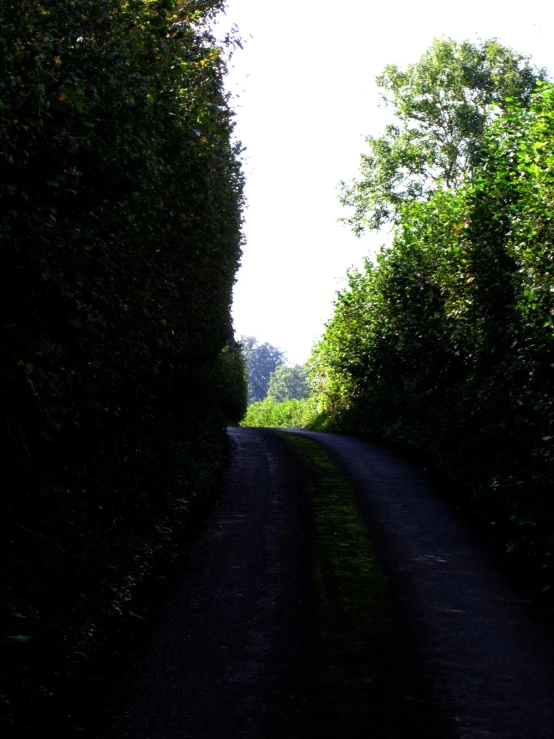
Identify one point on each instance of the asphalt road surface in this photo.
(230, 655)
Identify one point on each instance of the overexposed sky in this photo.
(305, 97)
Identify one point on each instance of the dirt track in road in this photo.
(230, 655)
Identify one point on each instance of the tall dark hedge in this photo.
(120, 217)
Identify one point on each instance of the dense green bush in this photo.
(271, 413)
(446, 345)
(120, 220)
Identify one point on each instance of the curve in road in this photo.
(485, 653)
(230, 655)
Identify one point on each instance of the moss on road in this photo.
(357, 692)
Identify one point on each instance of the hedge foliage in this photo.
(446, 344)
(272, 413)
(120, 218)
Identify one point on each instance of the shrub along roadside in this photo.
(271, 413)
(446, 345)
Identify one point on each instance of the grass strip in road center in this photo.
(352, 619)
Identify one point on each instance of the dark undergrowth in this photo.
(79, 691)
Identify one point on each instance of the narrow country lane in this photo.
(231, 654)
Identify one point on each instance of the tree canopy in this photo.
(289, 383)
(261, 360)
(442, 106)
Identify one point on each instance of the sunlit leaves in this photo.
(442, 106)
(446, 344)
(289, 383)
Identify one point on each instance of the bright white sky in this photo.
(305, 98)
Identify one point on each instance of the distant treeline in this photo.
(120, 235)
(445, 345)
(278, 395)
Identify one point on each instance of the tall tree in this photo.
(442, 104)
(260, 360)
(289, 383)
